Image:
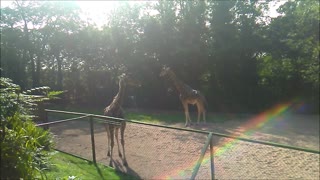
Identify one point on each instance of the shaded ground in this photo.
(158, 153)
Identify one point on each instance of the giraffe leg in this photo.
(199, 112)
(112, 144)
(186, 112)
(204, 116)
(203, 111)
(123, 127)
(117, 138)
(189, 119)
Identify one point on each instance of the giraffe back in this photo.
(113, 111)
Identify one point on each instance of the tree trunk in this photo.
(59, 75)
(33, 69)
(36, 79)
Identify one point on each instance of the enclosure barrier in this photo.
(203, 151)
(209, 141)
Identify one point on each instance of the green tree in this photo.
(36, 32)
(24, 147)
(240, 59)
(290, 66)
(12, 46)
(235, 40)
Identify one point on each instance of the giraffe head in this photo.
(165, 70)
(126, 79)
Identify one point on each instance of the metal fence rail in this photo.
(209, 141)
(203, 151)
(190, 130)
(62, 121)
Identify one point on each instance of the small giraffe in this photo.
(187, 95)
(115, 110)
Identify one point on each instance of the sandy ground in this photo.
(159, 153)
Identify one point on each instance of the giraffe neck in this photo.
(180, 86)
(117, 101)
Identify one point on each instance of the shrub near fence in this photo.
(156, 151)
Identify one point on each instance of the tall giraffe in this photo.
(187, 95)
(115, 110)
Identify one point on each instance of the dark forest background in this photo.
(232, 51)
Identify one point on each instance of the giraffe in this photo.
(115, 110)
(187, 95)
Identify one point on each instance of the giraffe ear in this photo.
(122, 76)
(123, 69)
(165, 67)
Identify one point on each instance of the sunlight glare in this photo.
(96, 11)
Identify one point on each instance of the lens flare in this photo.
(248, 129)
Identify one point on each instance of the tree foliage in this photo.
(239, 57)
(24, 147)
(290, 66)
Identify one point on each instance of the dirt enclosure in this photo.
(159, 153)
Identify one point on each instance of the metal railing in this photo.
(208, 143)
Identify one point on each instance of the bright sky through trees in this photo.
(96, 11)
(239, 57)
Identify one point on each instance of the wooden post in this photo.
(92, 141)
(203, 151)
(212, 158)
(46, 127)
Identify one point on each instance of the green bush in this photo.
(24, 147)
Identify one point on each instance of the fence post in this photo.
(46, 127)
(92, 140)
(203, 151)
(212, 158)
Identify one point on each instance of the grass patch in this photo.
(154, 117)
(90, 110)
(66, 166)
